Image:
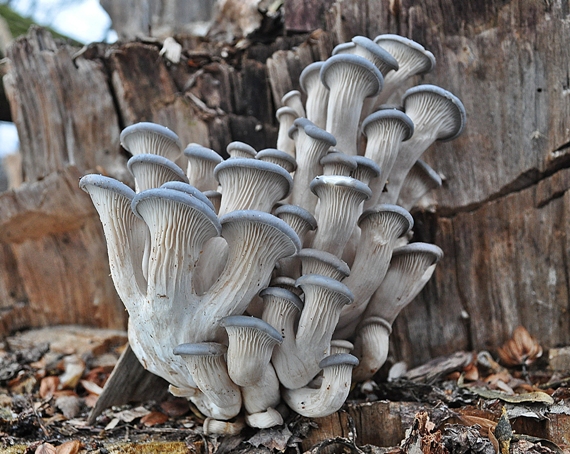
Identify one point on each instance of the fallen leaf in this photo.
(45, 448)
(154, 418)
(175, 407)
(90, 400)
(69, 447)
(74, 368)
(131, 415)
(48, 386)
(69, 405)
(91, 387)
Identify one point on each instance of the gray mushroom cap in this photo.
(103, 182)
(239, 149)
(459, 115)
(328, 283)
(389, 114)
(340, 181)
(243, 321)
(278, 157)
(312, 131)
(366, 169)
(283, 293)
(190, 190)
(355, 61)
(419, 248)
(396, 46)
(342, 163)
(145, 137)
(339, 359)
(195, 151)
(309, 71)
(383, 60)
(290, 212)
(316, 261)
(151, 171)
(408, 220)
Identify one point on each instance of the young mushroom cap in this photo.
(437, 115)
(412, 58)
(365, 47)
(420, 180)
(190, 190)
(315, 261)
(278, 157)
(251, 184)
(338, 163)
(201, 164)
(330, 397)
(385, 131)
(317, 94)
(371, 345)
(285, 116)
(339, 201)
(241, 150)
(251, 343)
(410, 268)
(206, 364)
(312, 143)
(150, 138)
(293, 100)
(287, 283)
(350, 79)
(152, 171)
(264, 420)
(366, 170)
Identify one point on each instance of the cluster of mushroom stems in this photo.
(275, 276)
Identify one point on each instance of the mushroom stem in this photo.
(371, 347)
(330, 397)
(317, 94)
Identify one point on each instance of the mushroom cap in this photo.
(290, 212)
(312, 70)
(338, 158)
(381, 58)
(240, 150)
(103, 182)
(285, 110)
(293, 99)
(341, 346)
(270, 221)
(353, 63)
(429, 172)
(340, 181)
(180, 198)
(278, 157)
(140, 136)
(325, 261)
(190, 190)
(419, 248)
(151, 170)
(458, 116)
(196, 151)
(366, 169)
(406, 217)
(326, 282)
(243, 321)
(398, 45)
(339, 359)
(312, 130)
(287, 283)
(387, 115)
(284, 294)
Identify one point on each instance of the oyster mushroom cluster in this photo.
(274, 276)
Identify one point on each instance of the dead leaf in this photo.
(175, 406)
(131, 415)
(48, 386)
(90, 400)
(91, 387)
(45, 448)
(522, 348)
(69, 447)
(74, 368)
(154, 418)
(69, 405)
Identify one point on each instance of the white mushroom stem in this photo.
(366, 170)
(297, 362)
(212, 426)
(152, 171)
(380, 229)
(151, 138)
(312, 144)
(412, 60)
(206, 364)
(250, 346)
(437, 115)
(317, 94)
(420, 180)
(264, 420)
(385, 131)
(256, 241)
(250, 184)
(293, 100)
(125, 235)
(201, 164)
(260, 400)
(285, 116)
(350, 79)
(371, 347)
(298, 218)
(330, 397)
(339, 206)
